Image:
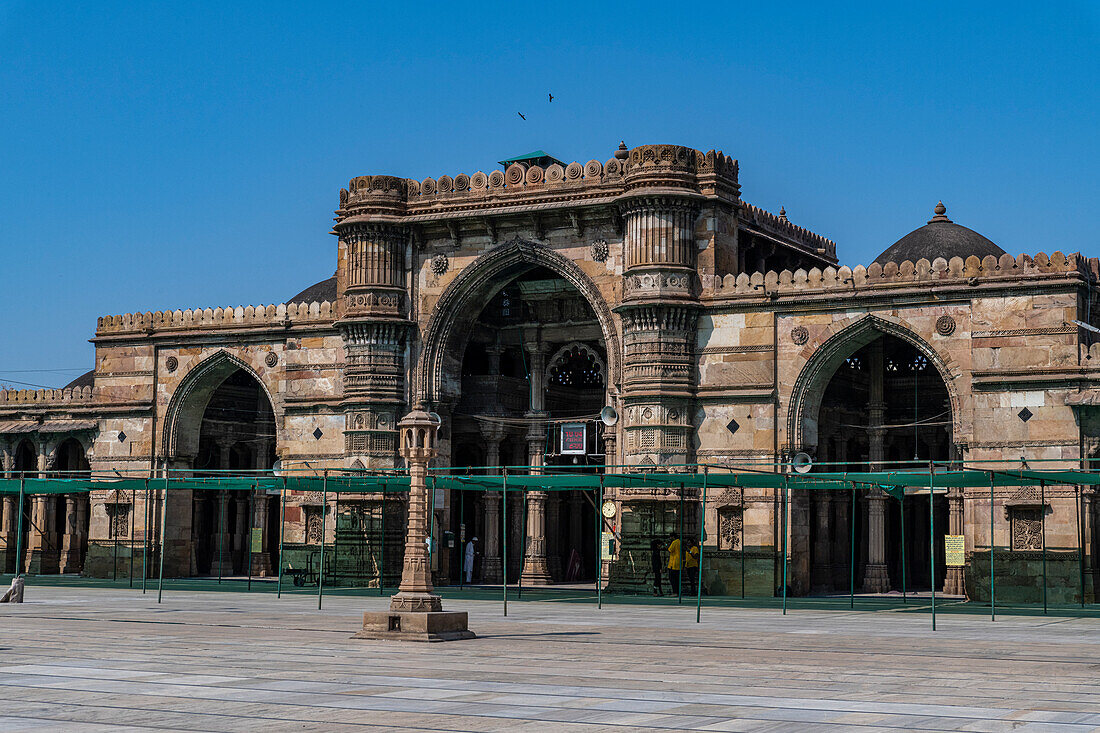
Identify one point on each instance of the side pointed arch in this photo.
(844, 339)
(447, 331)
(180, 437)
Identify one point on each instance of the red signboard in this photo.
(573, 438)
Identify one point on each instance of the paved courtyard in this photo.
(96, 659)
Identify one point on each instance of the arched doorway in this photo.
(519, 348)
(885, 406)
(26, 466)
(223, 423)
(71, 512)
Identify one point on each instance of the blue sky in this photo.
(164, 155)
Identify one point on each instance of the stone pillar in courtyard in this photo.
(416, 612)
(491, 568)
(71, 540)
(261, 557)
(822, 567)
(222, 562)
(955, 582)
(536, 567)
(876, 576)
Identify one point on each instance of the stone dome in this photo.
(317, 293)
(940, 237)
(87, 379)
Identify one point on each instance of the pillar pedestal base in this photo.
(416, 626)
(491, 570)
(955, 584)
(876, 579)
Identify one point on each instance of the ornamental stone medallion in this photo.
(600, 250)
(945, 325)
(271, 359)
(440, 264)
(800, 335)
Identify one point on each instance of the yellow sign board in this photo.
(954, 550)
(257, 538)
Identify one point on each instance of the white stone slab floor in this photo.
(93, 659)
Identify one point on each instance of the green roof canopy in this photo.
(537, 157)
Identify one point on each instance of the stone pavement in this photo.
(97, 659)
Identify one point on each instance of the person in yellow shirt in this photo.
(674, 561)
(691, 566)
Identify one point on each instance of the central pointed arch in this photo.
(447, 332)
(806, 395)
(184, 415)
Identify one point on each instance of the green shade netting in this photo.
(893, 482)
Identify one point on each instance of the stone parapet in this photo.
(666, 166)
(970, 271)
(40, 396)
(283, 314)
(779, 226)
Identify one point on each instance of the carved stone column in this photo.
(876, 577)
(198, 527)
(11, 524)
(42, 545)
(822, 566)
(222, 562)
(35, 562)
(240, 534)
(842, 540)
(576, 518)
(536, 568)
(491, 561)
(553, 525)
(70, 538)
(416, 613)
(261, 555)
(955, 582)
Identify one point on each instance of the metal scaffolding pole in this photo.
(702, 536)
(1080, 544)
(1043, 531)
(992, 547)
(904, 594)
(19, 527)
(321, 563)
(599, 547)
(786, 491)
(251, 518)
(133, 527)
(145, 541)
(504, 543)
(163, 531)
(932, 535)
(282, 531)
(382, 548)
(852, 552)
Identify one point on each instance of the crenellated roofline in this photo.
(969, 271)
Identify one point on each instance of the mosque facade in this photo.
(519, 304)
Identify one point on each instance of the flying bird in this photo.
(551, 97)
(521, 115)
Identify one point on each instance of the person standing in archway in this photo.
(674, 560)
(468, 564)
(655, 565)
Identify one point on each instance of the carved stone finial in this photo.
(622, 153)
(782, 214)
(940, 213)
